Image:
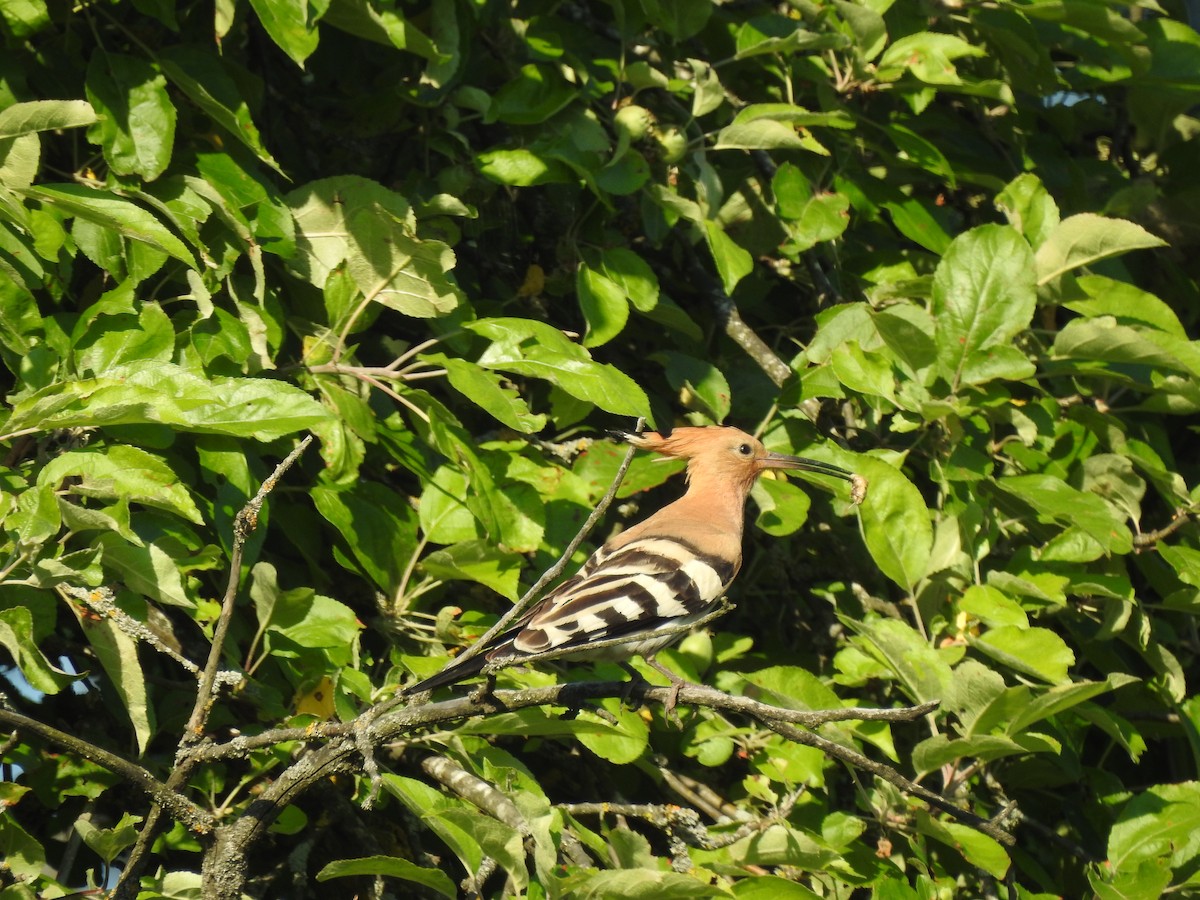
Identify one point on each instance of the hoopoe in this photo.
(647, 584)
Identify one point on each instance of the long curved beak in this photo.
(783, 461)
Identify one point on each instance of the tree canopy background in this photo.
(950, 246)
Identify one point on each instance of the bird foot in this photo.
(677, 684)
(485, 691)
(636, 683)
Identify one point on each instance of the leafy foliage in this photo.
(949, 247)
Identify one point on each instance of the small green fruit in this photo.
(633, 122)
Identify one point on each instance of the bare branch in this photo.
(338, 754)
(243, 526)
(1150, 538)
(179, 806)
(479, 793)
(100, 601)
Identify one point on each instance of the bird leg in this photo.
(486, 690)
(677, 684)
(635, 683)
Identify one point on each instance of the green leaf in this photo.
(23, 855)
(1184, 560)
(311, 620)
(823, 217)
(983, 295)
(1146, 881)
(700, 384)
(1126, 303)
(782, 506)
(908, 330)
(977, 848)
(993, 363)
(378, 526)
(286, 21)
(1102, 339)
(895, 522)
(681, 19)
(444, 517)
(622, 741)
(913, 219)
(1054, 499)
(1087, 238)
(490, 392)
(381, 24)
(109, 211)
(759, 134)
(1031, 651)
(148, 570)
(122, 472)
(644, 883)
(940, 750)
(865, 373)
(1154, 823)
(137, 130)
(928, 55)
(992, 606)
(497, 840)
(44, 115)
(538, 350)
(206, 80)
(1063, 697)
(477, 560)
(1029, 208)
(771, 887)
(16, 635)
(794, 688)
(372, 230)
(391, 867)
(919, 667)
(532, 96)
(36, 517)
(521, 168)
(604, 306)
(25, 18)
(633, 274)
(921, 152)
(109, 842)
(163, 393)
(430, 806)
(733, 262)
(118, 655)
(392, 265)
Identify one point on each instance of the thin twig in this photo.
(243, 525)
(890, 775)
(1150, 538)
(338, 755)
(100, 601)
(413, 718)
(340, 347)
(179, 806)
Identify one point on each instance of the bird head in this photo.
(726, 454)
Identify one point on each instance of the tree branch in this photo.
(1150, 538)
(179, 806)
(338, 754)
(243, 525)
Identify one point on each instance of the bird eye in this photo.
(744, 449)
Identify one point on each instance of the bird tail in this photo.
(461, 669)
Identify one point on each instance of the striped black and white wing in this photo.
(643, 587)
